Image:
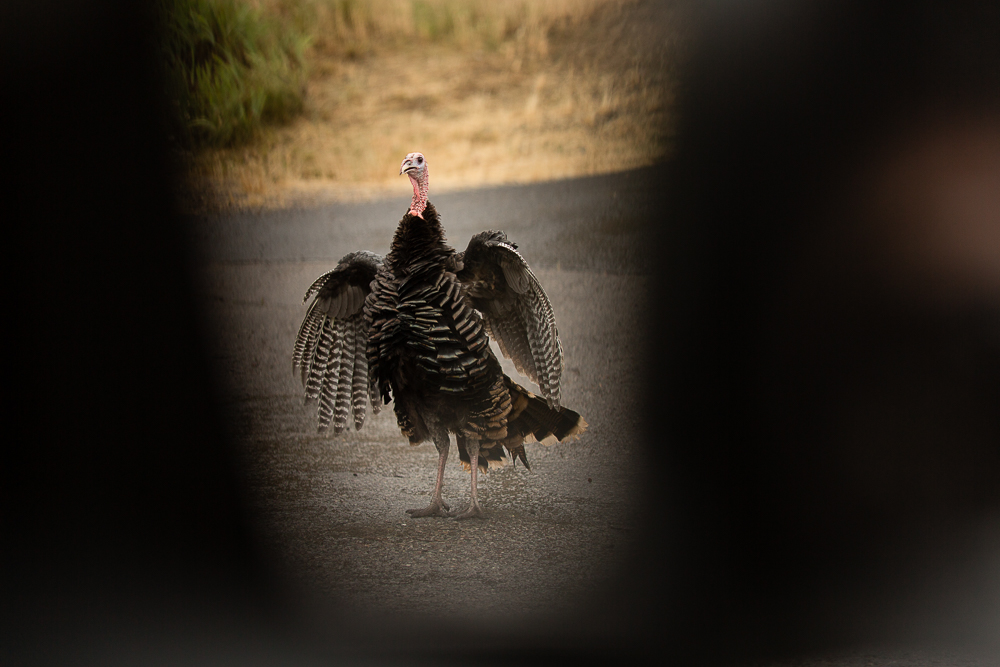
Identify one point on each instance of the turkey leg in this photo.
(437, 507)
(472, 446)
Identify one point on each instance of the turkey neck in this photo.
(419, 244)
(419, 201)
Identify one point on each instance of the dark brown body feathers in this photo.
(428, 350)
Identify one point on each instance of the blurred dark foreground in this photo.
(829, 346)
(825, 453)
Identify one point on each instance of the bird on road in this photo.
(413, 327)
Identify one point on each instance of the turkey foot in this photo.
(474, 512)
(437, 507)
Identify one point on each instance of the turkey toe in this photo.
(434, 509)
(474, 512)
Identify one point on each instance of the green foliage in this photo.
(231, 69)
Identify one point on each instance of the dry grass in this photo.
(518, 92)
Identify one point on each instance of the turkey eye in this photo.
(419, 160)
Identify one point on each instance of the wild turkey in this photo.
(413, 327)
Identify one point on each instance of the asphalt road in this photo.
(331, 509)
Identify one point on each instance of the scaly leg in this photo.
(437, 507)
(472, 446)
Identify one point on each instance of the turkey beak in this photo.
(406, 166)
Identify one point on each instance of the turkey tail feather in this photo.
(531, 419)
(534, 420)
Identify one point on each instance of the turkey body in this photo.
(420, 339)
(427, 349)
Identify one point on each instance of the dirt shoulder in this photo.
(594, 97)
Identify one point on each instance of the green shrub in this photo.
(230, 70)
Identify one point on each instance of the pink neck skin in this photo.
(419, 202)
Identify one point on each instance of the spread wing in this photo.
(330, 347)
(516, 311)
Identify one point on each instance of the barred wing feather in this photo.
(516, 311)
(329, 352)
